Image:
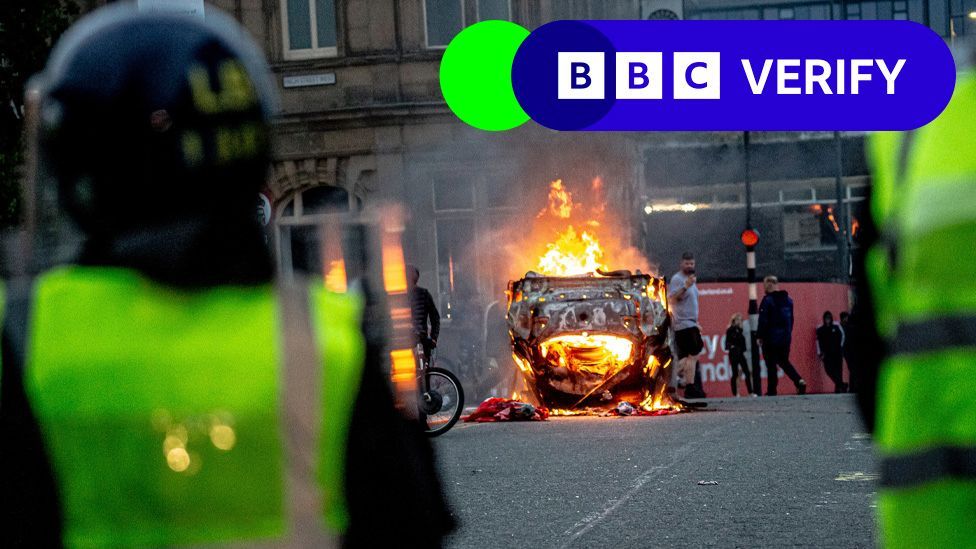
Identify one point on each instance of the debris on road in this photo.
(625, 409)
(708, 483)
(506, 409)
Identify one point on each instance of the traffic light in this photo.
(749, 237)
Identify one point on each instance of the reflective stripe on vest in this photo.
(932, 335)
(162, 410)
(910, 470)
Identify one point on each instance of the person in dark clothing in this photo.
(776, 335)
(735, 345)
(830, 349)
(423, 311)
(848, 328)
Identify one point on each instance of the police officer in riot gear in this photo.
(152, 394)
(917, 302)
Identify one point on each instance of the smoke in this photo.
(475, 198)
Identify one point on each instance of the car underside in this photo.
(592, 341)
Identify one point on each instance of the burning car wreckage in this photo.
(592, 342)
(587, 339)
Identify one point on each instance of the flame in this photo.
(450, 267)
(335, 278)
(658, 400)
(560, 201)
(572, 254)
(522, 364)
(855, 226)
(565, 412)
(596, 354)
(578, 240)
(833, 221)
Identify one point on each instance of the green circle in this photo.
(476, 75)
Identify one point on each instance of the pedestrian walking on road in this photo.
(735, 345)
(683, 294)
(830, 349)
(776, 336)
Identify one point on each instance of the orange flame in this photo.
(335, 278)
(572, 254)
(832, 219)
(560, 201)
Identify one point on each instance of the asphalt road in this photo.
(791, 471)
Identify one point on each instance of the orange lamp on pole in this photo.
(749, 237)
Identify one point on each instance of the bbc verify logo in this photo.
(701, 76)
(698, 75)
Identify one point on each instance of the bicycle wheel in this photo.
(443, 402)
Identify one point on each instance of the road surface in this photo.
(791, 471)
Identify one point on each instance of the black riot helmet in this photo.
(154, 129)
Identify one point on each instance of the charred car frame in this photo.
(593, 340)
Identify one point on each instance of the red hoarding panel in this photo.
(718, 301)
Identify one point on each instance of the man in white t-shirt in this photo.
(683, 297)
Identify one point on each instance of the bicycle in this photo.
(441, 395)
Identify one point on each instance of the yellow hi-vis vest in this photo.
(165, 412)
(923, 279)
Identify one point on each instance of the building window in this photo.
(962, 17)
(810, 228)
(443, 20)
(309, 28)
(854, 11)
(900, 10)
(499, 195)
(456, 259)
(786, 13)
(494, 9)
(300, 222)
(662, 15)
(453, 193)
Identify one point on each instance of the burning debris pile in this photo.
(585, 338)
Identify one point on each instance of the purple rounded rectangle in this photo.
(733, 75)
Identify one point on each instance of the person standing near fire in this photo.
(423, 312)
(776, 336)
(683, 294)
(735, 345)
(830, 349)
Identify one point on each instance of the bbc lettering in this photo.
(697, 75)
(639, 75)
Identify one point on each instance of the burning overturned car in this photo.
(593, 340)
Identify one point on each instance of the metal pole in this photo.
(839, 215)
(748, 177)
(751, 275)
(753, 319)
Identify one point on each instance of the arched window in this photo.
(298, 221)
